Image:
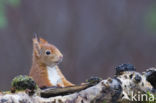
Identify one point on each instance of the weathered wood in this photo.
(111, 90)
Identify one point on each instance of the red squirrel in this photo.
(45, 70)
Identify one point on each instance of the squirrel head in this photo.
(45, 53)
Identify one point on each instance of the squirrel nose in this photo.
(60, 57)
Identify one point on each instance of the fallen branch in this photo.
(51, 92)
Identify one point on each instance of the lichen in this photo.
(23, 82)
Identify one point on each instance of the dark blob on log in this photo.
(124, 67)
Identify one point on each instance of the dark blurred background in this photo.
(93, 35)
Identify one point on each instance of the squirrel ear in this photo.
(36, 45)
(37, 49)
(43, 41)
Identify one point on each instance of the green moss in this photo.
(23, 82)
(149, 95)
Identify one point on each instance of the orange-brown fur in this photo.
(40, 61)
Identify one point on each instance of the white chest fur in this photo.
(53, 76)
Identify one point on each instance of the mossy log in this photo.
(117, 89)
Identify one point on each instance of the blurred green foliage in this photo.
(151, 19)
(149, 95)
(13, 3)
(3, 3)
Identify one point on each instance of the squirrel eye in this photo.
(48, 52)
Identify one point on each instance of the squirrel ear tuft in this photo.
(36, 45)
(36, 37)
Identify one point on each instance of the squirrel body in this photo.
(45, 70)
